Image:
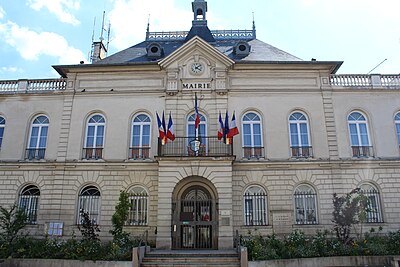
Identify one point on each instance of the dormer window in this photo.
(242, 49)
(154, 50)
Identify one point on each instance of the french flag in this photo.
(233, 129)
(227, 140)
(170, 131)
(161, 131)
(220, 127)
(197, 120)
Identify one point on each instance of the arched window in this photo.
(305, 205)
(374, 211)
(255, 206)
(37, 138)
(252, 136)
(201, 135)
(94, 139)
(28, 201)
(359, 135)
(138, 211)
(89, 202)
(140, 140)
(397, 124)
(2, 125)
(299, 135)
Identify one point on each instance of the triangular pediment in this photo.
(193, 48)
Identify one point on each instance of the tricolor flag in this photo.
(233, 129)
(170, 131)
(161, 131)
(220, 127)
(226, 129)
(197, 120)
(164, 140)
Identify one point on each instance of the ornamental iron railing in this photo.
(191, 147)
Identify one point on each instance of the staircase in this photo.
(195, 258)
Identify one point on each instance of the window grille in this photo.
(89, 202)
(255, 206)
(374, 214)
(138, 212)
(29, 202)
(305, 201)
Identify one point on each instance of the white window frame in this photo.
(357, 123)
(28, 200)
(89, 200)
(252, 122)
(302, 194)
(96, 125)
(298, 123)
(374, 215)
(2, 129)
(257, 214)
(139, 206)
(141, 124)
(397, 126)
(40, 125)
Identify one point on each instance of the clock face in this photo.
(196, 68)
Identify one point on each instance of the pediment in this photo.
(196, 50)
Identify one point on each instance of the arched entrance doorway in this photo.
(195, 216)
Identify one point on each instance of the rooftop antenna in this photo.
(102, 27)
(108, 35)
(148, 28)
(254, 27)
(377, 66)
(92, 46)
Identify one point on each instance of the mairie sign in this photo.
(196, 85)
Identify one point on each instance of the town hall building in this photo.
(73, 144)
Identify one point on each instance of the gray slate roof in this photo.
(260, 52)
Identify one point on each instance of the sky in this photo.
(36, 34)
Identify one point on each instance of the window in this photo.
(305, 205)
(29, 202)
(374, 214)
(359, 136)
(138, 212)
(94, 141)
(299, 135)
(255, 206)
(252, 136)
(202, 134)
(140, 141)
(89, 202)
(2, 125)
(37, 138)
(397, 124)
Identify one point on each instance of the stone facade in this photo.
(273, 90)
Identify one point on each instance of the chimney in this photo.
(99, 51)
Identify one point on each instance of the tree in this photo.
(120, 216)
(348, 210)
(12, 221)
(88, 227)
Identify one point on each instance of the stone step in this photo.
(194, 258)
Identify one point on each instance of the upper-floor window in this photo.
(255, 206)
(397, 124)
(28, 201)
(374, 211)
(140, 139)
(138, 211)
(252, 136)
(94, 139)
(305, 205)
(89, 202)
(201, 134)
(359, 135)
(37, 138)
(2, 125)
(299, 135)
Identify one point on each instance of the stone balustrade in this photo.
(23, 86)
(375, 81)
